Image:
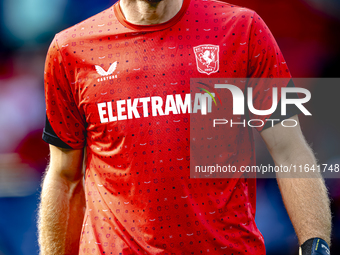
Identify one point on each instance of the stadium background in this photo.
(307, 32)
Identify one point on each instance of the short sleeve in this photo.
(267, 68)
(65, 123)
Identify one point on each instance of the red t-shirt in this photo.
(104, 79)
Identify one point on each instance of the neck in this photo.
(149, 12)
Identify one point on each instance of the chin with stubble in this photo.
(153, 1)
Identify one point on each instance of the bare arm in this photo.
(306, 199)
(62, 204)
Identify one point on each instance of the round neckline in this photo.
(121, 18)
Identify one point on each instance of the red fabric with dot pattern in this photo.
(140, 199)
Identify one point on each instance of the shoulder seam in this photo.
(62, 59)
(65, 68)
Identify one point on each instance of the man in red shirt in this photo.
(118, 102)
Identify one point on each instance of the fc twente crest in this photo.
(207, 58)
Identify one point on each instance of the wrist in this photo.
(314, 246)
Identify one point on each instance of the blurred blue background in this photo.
(307, 32)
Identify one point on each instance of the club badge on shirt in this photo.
(207, 58)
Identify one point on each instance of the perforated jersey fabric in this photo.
(103, 77)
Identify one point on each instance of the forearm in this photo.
(306, 199)
(61, 214)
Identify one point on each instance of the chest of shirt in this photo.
(143, 65)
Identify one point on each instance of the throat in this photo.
(149, 12)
